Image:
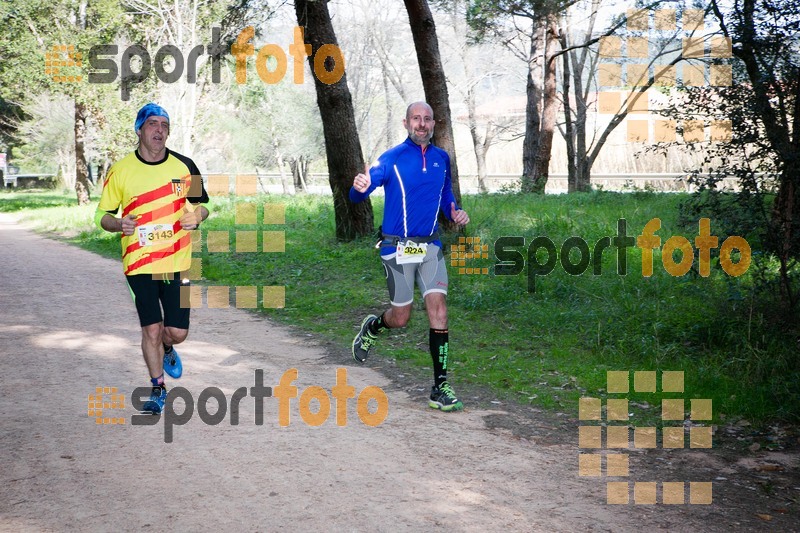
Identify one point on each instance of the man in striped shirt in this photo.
(159, 192)
(415, 176)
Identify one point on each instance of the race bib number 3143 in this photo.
(154, 234)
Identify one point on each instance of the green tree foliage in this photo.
(45, 140)
(35, 28)
(765, 40)
(282, 124)
(11, 114)
(763, 152)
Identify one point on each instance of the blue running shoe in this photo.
(156, 402)
(172, 363)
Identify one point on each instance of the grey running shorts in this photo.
(430, 276)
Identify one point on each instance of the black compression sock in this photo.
(439, 344)
(378, 325)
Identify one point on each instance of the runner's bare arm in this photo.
(112, 224)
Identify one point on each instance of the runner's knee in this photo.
(436, 306)
(438, 317)
(400, 316)
(152, 333)
(175, 335)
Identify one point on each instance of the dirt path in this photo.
(67, 325)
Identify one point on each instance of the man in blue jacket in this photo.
(415, 176)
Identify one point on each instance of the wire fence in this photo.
(317, 183)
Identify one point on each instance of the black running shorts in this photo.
(150, 295)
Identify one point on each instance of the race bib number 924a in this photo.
(411, 252)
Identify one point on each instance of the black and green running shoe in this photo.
(364, 340)
(444, 398)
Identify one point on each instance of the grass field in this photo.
(547, 347)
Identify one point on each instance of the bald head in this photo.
(419, 107)
(419, 123)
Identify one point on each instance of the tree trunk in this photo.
(295, 179)
(434, 83)
(533, 89)
(478, 143)
(785, 226)
(541, 107)
(569, 129)
(284, 181)
(276, 146)
(549, 105)
(583, 180)
(390, 124)
(83, 186)
(296, 165)
(342, 146)
(584, 173)
(583, 164)
(480, 160)
(82, 183)
(303, 171)
(102, 171)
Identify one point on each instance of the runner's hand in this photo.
(128, 225)
(362, 181)
(459, 216)
(190, 219)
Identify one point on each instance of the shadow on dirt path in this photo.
(67, 326)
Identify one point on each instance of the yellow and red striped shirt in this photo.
(157, 194)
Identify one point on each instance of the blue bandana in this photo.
(147, 111)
